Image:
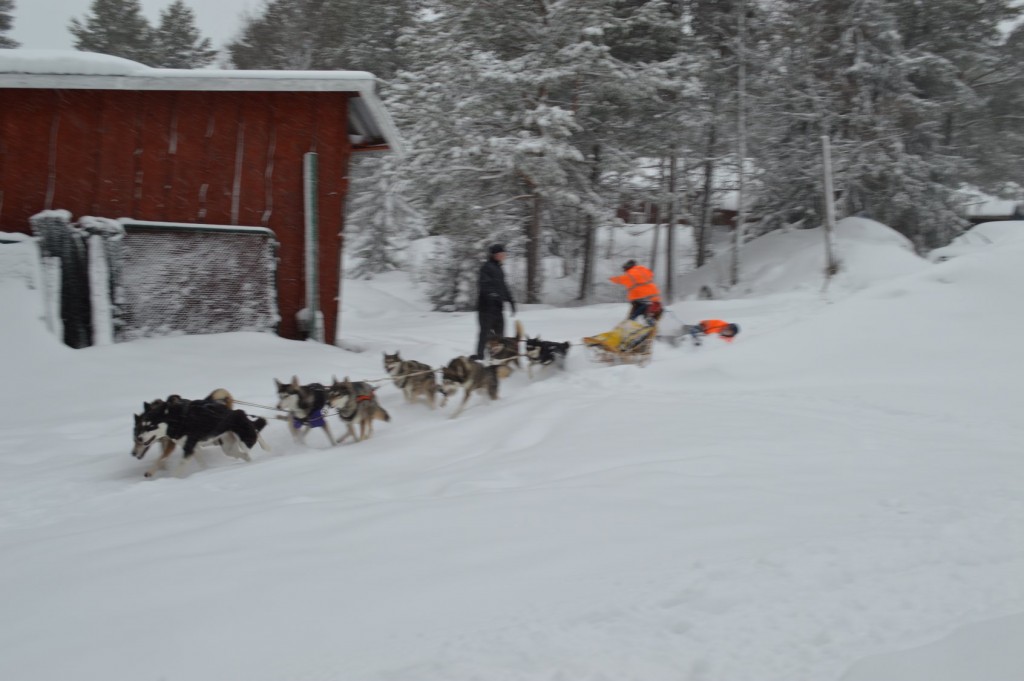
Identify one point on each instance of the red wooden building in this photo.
(102, 136)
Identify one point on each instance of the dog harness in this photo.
(314, 420)
(316, 414)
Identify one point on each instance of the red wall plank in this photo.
(115, 189)
(26, 143)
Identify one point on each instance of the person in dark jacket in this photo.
(493, 293)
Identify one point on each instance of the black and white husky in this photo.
(305, 406)
(545, 353)
(471, 376)
(211, 420)
(412, 378)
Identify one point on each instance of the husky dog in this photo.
(543, 353)
(470, 375)
(305, 405)
(356, 403)
(211, 420)
(504, 352)
(412, 378)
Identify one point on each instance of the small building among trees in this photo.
(105, 137)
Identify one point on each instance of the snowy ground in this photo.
(834, 496)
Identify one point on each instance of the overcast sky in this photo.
(43, 24)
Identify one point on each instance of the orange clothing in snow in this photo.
(639, 283)
(710, 326)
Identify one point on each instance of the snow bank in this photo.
(981, 237)
(794, 260)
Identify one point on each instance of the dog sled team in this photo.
(213, 421)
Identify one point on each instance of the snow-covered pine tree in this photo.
(381, 221)
(115, 27)
(177, 42)
(323, 34)
(967, 68)
(621, 75)
(999, 133)
(436, 104)
(712, 27)
(890, 83)
(451, 272)
(6, 23)
(517, 149)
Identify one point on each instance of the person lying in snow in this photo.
(725, 330)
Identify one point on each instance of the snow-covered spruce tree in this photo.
(999, 134)
(885, 80)
(449, 112)
(177, 43)
(6, 23)
(966, 67)
(381, 221)
(711, 30)
(954, 61)
(514, 150)
(115, 27)
(323, 34)
(623, 75)
(451, 272)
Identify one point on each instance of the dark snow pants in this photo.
(492, 323)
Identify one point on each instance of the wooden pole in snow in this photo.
(831, 266)
(311, 216)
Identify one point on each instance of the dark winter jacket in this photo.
(493, 291)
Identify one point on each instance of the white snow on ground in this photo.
(835, 495)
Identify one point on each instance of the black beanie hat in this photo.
(496, 248)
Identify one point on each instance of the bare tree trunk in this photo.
(533, 252)
(587, 278)
(831, 266)
(656, 223)
(589, 237)
(703, 233)
(670, 245)
(741, 125)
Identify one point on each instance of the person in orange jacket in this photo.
(725, 330)
(641, 291)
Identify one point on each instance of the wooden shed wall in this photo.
(232, 158)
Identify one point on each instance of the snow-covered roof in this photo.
(71, 70)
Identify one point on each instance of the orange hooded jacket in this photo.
(710, 326)
(639, 283)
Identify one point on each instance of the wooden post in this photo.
(311, 216)
(830, 207)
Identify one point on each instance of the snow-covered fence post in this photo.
(831, 267)
(104, 241)
(64, 259)
(310, 187)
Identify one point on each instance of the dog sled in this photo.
(630, 342)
